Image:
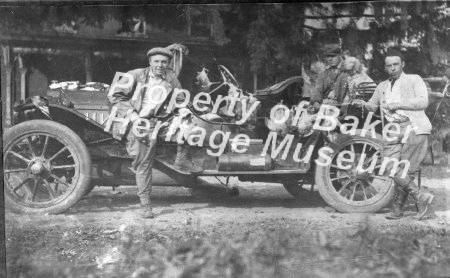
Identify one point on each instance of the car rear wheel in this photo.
(351, 190)
(46, 167)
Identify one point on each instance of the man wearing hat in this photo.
(326, 80)
(403, 99)
(142, 149)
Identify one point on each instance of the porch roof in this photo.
(120, 45)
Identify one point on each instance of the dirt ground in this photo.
(263, 232)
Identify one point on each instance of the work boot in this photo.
(422, 200)
(397, 205)
(148, 212)
(183, 161)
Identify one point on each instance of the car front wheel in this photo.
(46, 167)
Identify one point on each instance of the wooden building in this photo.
(33, 56)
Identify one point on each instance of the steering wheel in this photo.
(227, 77)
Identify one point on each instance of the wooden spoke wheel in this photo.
(352, 189)
(46, 167)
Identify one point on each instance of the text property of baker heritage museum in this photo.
(327, 120)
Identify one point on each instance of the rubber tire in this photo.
(70, 138)
(328, 194)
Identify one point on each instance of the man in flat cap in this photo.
(326, 80)
(142, 149)
(403, 99)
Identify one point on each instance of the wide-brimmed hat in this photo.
(160, 51)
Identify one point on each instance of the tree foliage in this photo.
(276, 38)
(28, 19)
(273, 39)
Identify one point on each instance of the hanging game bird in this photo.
(282, 128)
(305, 124)
(203, 80)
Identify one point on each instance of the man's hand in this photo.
(144, 139)
(364, 105)
(316, 105)
(359, 103)
(313, 108)
(134, 117)
(393, 106)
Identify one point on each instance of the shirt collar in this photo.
(400, 77)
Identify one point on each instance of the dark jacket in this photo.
(122, 98)
(341, 87)
(324, 84)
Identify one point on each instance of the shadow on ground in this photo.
(270, 196)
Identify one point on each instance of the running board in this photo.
(237, 173)
(182, 178)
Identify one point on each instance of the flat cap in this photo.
(161, 51)
(331, 49)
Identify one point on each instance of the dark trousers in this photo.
(413, 150)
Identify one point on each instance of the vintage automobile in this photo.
(54, 154)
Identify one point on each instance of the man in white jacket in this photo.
(403, 99)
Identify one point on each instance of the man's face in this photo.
(394, 66)
(159, 64)
(333, 61)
